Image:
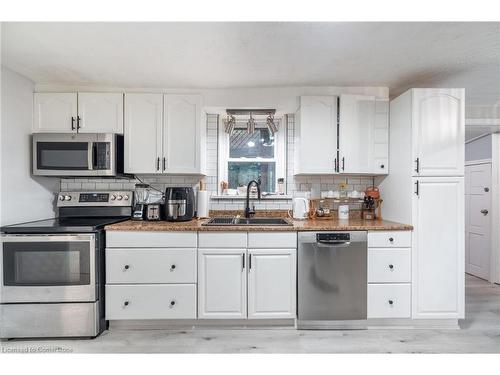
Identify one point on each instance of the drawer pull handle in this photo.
(172, 304)
(172, 267)
(391, 302)
(391, 239)
(125, 303)
(391, 267)
(126, 266)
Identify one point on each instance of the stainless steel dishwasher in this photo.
(332, 286)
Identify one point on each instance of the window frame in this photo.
(279, 153)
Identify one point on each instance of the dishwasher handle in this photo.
(326, 243)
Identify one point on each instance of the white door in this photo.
(222, 284)
(438, 127)
(356, 131)
(316, 135)
(143, 133)
(271, 283)
(438, 257)
(477, 220)
(182, 134)
(55, 112)
(100, 112)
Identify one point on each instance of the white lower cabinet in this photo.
(271, 283)
(151, 301)
(222, 283)
(389, 301)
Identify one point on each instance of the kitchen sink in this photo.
(234, 221)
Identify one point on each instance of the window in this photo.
(245, 157)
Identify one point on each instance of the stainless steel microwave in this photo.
(57, 154)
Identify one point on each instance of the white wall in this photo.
(478, 149)
(23, 197)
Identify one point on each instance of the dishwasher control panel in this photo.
(330, 237)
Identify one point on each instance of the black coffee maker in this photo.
(179, 204)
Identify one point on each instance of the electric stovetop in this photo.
(62, 225)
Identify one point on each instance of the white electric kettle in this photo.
(300, 208)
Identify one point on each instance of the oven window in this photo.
(62, 155)
(46, 263)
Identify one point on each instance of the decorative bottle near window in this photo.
(281, 186)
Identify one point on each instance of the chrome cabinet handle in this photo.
(78, 119)
(172, 267)
(391, 239)
(164, 163)
(417, 168)
(343, 164)
(391, 302)
(126, 266)
(72, 123)
(158, 163)
(126, 303)
(416, 188)
(250, 262)
(484, 212)
(391, 267)
(172, 304)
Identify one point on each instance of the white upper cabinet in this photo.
(100, 112)
(143, 133)
(363, 135)
(183, 134)
(438, 248)
(438, 132)
(271, 283)
(55, 112)
(316, 135)
(83, 112)
(222, 284)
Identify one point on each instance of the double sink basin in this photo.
(242, 221)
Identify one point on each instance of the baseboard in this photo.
(188, 324)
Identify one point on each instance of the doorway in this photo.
(478, 181)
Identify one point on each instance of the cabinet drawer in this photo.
(223, 239)
(272, 240)
(389, 300)
(389, 265)
(151, 239)
(389, 239)
(135, 266)
(151, 301)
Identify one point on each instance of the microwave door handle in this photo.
(90, 155)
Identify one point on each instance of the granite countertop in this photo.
(297, 225)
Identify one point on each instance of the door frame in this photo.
(495, 206)
(492, 217)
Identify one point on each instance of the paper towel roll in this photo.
(203, 201)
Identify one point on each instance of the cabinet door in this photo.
(55, 112)
(182, 134)
(222, 284)
(438, 127)
(316, 135)
(356, 132)
(438, 248)
(271, 283)
(100, 112)
(143, 132)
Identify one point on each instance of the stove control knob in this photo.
(126, 197)
(120, 197)
(67, 197)
(113, 197)
(61, 197)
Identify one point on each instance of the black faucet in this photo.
(249, 211)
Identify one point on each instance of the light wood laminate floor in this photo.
(480, 332)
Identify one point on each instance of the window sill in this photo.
(243, 197)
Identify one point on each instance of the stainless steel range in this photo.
(52, 271)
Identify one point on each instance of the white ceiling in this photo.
(223, 55)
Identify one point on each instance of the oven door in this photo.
(48, 268)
